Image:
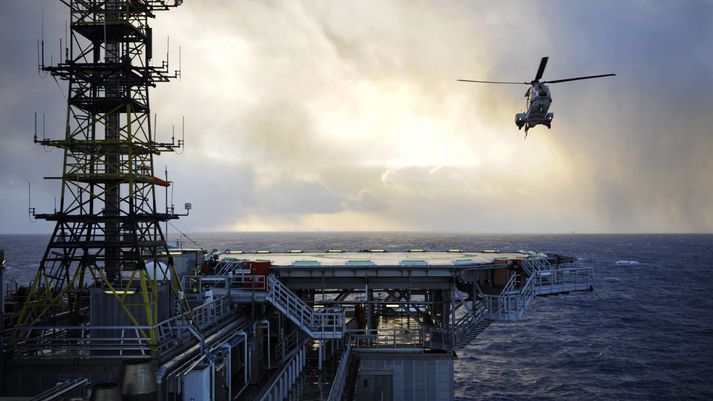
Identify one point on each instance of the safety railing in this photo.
(62, 388)
(286, 378)
(83, 342)
(437, 338)
(388, 338)
(225, 267)
(469, 325)
(325, 323)
(542, 278)
(564, 280)
(238, 281)
(535, 265)
(511, 285)
(340, 378)
(321, 324)
(509, 304)
(123, 342)
(285, 344)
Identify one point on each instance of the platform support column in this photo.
(369, 308)
(320, 355)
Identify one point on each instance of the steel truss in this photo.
(107, 226)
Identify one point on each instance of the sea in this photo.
(645, 333)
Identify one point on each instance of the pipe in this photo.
(191, 352)
(227, 346)
(200, 338)
(266, 323)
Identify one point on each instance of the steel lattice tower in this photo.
(107, 223)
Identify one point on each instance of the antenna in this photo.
(165, 174)
(180, 68)
(182, 141)
(66, 42)
(168, 50)
(173, 207)
(30, 209)
(35, 137)
(41, 42)
(38, 57)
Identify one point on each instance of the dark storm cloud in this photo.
(649, 155)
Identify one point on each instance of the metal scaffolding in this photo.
(107, 234)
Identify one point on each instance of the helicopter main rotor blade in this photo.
(578, 78)
(541, 69)
(495, 82)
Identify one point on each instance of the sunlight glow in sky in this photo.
(321, 115)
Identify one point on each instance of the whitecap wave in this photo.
(626, 262)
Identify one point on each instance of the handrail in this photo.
(290, 342)
(564, 280)
(388, 338)
(545, 279)
(286, 378)
(510, 305)
(510, 285)
(324, 323)
(224, 267)
(128, 341)
(335, 393)
(60, 389)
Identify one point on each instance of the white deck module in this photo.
(364, 259)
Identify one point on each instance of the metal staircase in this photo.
(542, 279)
(549, 279)
(511, 303)
(470, 323)
(468, 327)
(228, 266)
(243, 287)
(327, 323)
(534, 266)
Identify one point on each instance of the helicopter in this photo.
(538, 97)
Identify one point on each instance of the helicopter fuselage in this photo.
(538, 103)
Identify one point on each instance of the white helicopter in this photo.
(538, 98)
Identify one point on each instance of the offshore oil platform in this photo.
(114, 314)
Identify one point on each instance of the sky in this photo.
(345, 116)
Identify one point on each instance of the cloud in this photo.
(346, 116)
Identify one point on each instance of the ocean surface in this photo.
(646, 333)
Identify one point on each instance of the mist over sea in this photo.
(646, 333)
